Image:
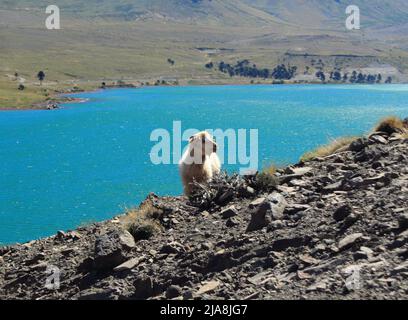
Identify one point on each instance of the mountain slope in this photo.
(310, 13)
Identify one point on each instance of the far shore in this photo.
(60, 96)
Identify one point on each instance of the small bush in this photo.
(223, 188)
(143, 231)
(143, 222)
(333, 147)
(265, 181)
(390, 125)
(270, 169)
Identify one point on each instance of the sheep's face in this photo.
(202, 144)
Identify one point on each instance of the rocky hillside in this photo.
(332, 228)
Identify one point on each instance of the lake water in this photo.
(89, 161)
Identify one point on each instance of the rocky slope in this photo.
(334, 228)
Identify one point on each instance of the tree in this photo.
(336, 76)
(320, 75)
(353, 78)
(345, 77)
(41, 76)
(209, 65)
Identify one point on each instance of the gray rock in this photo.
(128, 265)
(229, 212)
(377, 139)
(342, 213)
(111, 249)
(173, 292)
(403, 221)
(96, 294)
(172, 248)
(144, 288)
(277, 204)
(265, 210)
(358, 145)
(349, 241)
(232, 222)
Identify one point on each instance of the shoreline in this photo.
(61, 97)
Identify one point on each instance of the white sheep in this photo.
(200, 162)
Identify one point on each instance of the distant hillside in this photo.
(331, 13)
(311, 13)
(133, 39)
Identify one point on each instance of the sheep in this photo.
(200, 163)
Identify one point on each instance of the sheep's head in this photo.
(202, 144)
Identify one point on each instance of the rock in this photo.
(225, 198)
(333, 187)
(61, 235)
(259, 219)
(207, 246)
(308, 260)
(172, 248)
(261, 278)
(74, 235)
(358, 145)
(95, 294)
(207, 287)
(229, 212)
(257, 203)
(277, 204)
(188, 295)
(128, 265)
(266, 209)
(400, 269)
(318, 286)
(111, 249)
(250, 191)
(38, 257)
(144, 288)
(173, 292)
(403, 221)
(349, 241)
(292, 209)
(401, 239)
(285, 243)
(232, 223)
(364, 253)
(377, 139)
(126, 240)
(342, 213)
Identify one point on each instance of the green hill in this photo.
(104, 40)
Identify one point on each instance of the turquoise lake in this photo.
(89, 161)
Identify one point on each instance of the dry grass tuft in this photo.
(270, 169)
(143, 222)
(337, 145)
(390, 125)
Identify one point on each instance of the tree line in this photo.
(245, 68)
(354, 77)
